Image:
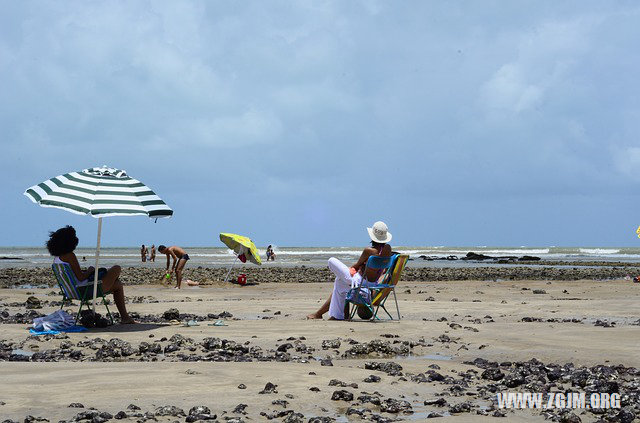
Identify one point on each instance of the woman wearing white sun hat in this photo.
(348, 277)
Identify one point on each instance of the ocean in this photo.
(318, 256)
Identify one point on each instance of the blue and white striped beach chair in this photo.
(72, 290)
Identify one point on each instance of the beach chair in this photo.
(72, 291)
(379, 292)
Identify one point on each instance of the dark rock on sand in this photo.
(492, 374)
(19, 318)
(394, 406)
(330, 344)
(94, 416)
(240, 408)
(170, 410)
(199, 409)
(32, 302)
(514, 379)
(342, 395)
(569, 418)
(284, 347)
(379, 348)
(604, 323)
(115, 348)
(463, 407)
(281, 402)
(149, 348)
(336, 382)
(201, 417)
(294, 417)
(370, 399)
(440, 402)
(625, 415)
(199, 413)
(390, 368)
(269, 388)
(326, 362)
(171, 314)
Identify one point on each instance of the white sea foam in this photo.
(488, 251)
(599, 251)
(317, 256)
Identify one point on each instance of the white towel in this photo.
(55, 321)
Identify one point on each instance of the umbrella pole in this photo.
(229, 272)
(95, 277)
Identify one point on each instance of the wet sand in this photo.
(445, 327)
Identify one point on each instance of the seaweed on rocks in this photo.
(394, 406)
(330, 344)
(379, 348)
(114, 349)
(535, 376)
(390, 368)
(19, 318)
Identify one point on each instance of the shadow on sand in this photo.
(137, 327)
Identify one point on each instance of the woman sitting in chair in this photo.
(346, 277)
(61, 245)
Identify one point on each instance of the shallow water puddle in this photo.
(436, 356)
(22, 352)
(29, 286)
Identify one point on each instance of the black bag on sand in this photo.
(89, 320)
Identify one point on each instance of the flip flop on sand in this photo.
(218, 323)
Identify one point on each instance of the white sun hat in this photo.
(379, 233)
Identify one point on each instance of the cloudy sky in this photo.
(500, 123)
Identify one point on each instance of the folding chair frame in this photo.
(67, 283)
(374, 303)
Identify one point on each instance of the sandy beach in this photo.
(457, 344)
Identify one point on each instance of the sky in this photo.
(458, 123)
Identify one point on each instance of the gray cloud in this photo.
(299, 110)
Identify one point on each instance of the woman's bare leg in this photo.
(322, 310)
(111, 283)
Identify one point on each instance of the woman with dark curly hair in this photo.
(61, 245)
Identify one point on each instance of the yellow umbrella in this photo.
(240, 245)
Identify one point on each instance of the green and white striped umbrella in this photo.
(99, 192)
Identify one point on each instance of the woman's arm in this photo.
(366, 253)
(75, 266)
